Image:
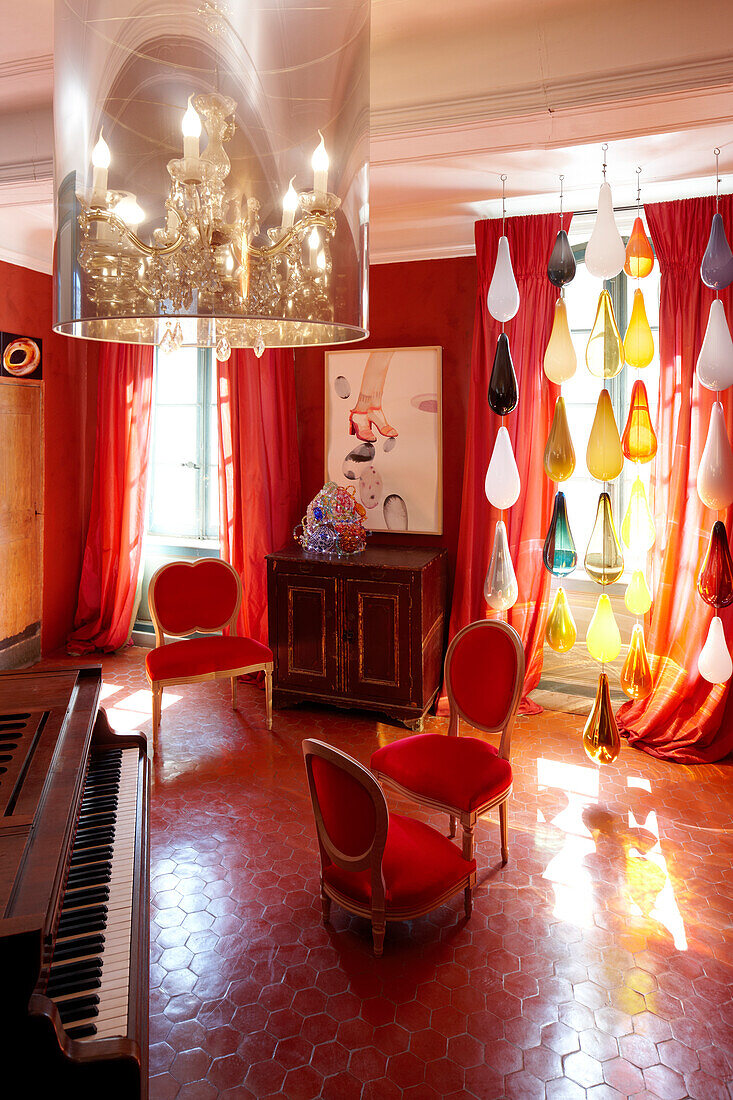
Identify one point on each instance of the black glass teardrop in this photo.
(503, 392)
(561, 268)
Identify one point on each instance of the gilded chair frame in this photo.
(230, 674)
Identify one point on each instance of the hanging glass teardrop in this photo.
(559, 457)
(167, 342)
(715, 583)
(559, 554)
(716, 269)
(259, 347)
(560, 632)
(604, 355)
(603, 639)
(639, 441)
(605, 253)
(503, 393)
(714, 663)
(223, 349)
(638, 598)
(561, 266)
(715, 361)
(638, 341)
(604, 457)
(601, 739)
(637, 527)
(560, 362)
(502, 483)
(503, 296)
(715, 472)
(636, 675)
(500, 586)
(604, 558)
(639, 255)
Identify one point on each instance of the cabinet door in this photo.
(377, 640)
(307, 651)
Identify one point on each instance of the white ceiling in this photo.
(462, 92)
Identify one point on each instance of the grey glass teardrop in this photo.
(561, 267)
(716, 269)
(503, 392)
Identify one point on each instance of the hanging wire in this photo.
(561, 215)
(503, 205)
(604, 147)
(638, 192)
(716, 151)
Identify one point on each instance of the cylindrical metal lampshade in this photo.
(179, 127)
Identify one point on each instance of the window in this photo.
(184, 490)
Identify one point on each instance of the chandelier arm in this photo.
(111, 218)
(262, 252)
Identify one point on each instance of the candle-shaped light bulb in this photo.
(320, 163)
(100, 163)
(191, 128)
(290, 205)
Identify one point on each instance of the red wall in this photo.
(410, 305)
(69, 413)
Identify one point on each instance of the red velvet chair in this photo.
(202, 596)
(375, 864)
(465, 776)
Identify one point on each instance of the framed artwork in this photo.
(20, 357)
(384, 434)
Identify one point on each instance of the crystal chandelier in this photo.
(171, 249)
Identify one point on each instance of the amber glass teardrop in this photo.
(638, 341)
(503, 392)
(715, 583)
(639, 254)
(559, 452)
(561, 267)
(604, 457)
(560, 632)
(559, 554)
(604, 558)
(601, 739)
(636, 675)
(639, 441)
(604, 355)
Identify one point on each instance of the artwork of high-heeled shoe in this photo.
(362, 422)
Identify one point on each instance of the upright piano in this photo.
(74, 894)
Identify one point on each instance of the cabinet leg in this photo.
(415, 724)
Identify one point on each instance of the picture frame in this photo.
(21, 357)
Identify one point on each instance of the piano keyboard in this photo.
(89, 976)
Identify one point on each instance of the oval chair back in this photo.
(484, 676)
(187, 597)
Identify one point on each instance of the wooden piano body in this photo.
(51, 727)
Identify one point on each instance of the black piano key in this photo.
(92, 855)
(83, 920)
(77, 947)
(79, 1008)
(80, 985)
(63, 969)
(90, 895)
(83, 1031)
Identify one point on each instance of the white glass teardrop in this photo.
(223, 349)
(502, 477)
(715, 361)
(503, 296)
(605, 252)
(715, 472)
(714, 663)
(167, 343)
(500, 586)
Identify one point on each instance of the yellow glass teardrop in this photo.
(637, 528)
(601, 739)
(638, 598)
(638, 341)
(604, 355)
(560, 632)
(603, 639)
(636, 675)
(559, 452)
(560, 361)
(604, 558)
(604, 457)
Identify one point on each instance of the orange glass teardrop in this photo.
(601, 739)
(639, 254)
(636, 675)
(639, 441)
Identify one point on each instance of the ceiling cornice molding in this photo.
(28, 171)
(556, 95)
(409, 254)
(8, 256)
(26, 66)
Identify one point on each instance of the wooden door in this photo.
(21, 496)
(307, 645)
(377, 640)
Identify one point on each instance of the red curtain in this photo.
(259, 471)
(685, 718)
(117, 520)
(530, 242)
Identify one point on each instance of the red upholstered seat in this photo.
(419, 864)
(200, 656)
(458, 771)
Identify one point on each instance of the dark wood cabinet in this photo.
(365, 631)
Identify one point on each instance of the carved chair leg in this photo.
(452, 832)
(325, 906)
(234, 692)
(504, 829)
(268, 697)
(378, 931)
(467, 841)
(468, 901)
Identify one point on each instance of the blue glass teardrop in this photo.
(559, 554)
(716, 269)
(561, 266)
